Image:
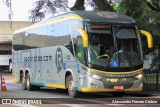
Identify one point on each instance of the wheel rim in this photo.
(28, 83)
(23, 82)
(71, 87)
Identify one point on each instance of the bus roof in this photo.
(105, 17)
(87, 16)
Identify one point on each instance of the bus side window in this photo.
(79, 49)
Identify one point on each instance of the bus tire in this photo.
(29, 87)
(23, 81)
(118, 94)
(71, 91)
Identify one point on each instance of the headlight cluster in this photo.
(139, 76)
(95, 76)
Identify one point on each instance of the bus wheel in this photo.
(71, 91)
(29, 87)
(118, 94)
(23, 81)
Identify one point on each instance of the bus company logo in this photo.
(107, 14)
(59, 59)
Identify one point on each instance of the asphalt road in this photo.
(60, 98)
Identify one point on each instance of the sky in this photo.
(20, 9)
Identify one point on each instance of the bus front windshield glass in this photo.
(119, 48)
(100, 46)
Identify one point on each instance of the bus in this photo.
(82, 52)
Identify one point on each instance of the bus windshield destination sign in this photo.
(100, 27)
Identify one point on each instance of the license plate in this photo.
(113, 80)
(118, 87)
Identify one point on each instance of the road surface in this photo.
(59, 98)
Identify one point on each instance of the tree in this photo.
(144, 12)
(154, 4)
(47, 7)
(8, 3)
(52, 7)
(79, 5)
(129, 7)
(102, 5)
(147, 15)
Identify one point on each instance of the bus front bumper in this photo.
(110, 90)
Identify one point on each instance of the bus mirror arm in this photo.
(84, 37)
(149, 38)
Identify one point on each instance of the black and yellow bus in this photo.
(82, 51)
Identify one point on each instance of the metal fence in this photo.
(151, 80)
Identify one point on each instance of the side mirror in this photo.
(149, 38)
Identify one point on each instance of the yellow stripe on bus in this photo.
(110, 90)
(55, 86)
(74, 16)
(111, 72)
(118, 72)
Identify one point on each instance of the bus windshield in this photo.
(114, 47)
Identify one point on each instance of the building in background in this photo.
(7, 29)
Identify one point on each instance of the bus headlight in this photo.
(139, 76)
(96, 76)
